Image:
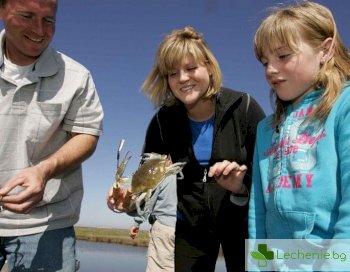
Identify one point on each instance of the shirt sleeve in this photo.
(146, 211)
(85, 113)
(239, 200)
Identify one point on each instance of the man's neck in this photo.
(24, 62)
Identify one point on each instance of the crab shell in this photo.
(146, 179)
(149, 175)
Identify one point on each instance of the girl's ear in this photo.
(327, 50)
(209, 67)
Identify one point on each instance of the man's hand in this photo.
(30, 185)
(33, 179)
(229, 175)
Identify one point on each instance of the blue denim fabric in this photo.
(48, 251)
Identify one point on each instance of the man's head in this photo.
(29, 28)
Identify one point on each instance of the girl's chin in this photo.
(187, 100)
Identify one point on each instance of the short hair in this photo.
(175, 46)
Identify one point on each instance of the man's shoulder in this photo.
(68, 62)
(53, 61)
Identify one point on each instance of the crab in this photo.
(150, 174)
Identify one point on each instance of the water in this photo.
(106, 257)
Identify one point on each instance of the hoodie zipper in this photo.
(204, 179)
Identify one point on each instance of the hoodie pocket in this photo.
(289, 224)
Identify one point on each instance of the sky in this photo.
(117, 40)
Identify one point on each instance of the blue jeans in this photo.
(48, 251)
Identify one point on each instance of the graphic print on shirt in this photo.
(292, 154)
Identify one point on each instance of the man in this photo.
(50, 118)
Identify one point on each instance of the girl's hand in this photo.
(230, 176)
(133, 232)
(116, 199)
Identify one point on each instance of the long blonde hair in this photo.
(314, 23)
(175, 46)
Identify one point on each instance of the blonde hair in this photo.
(313, 23)
(175, 46)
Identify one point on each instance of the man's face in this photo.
(29, 27)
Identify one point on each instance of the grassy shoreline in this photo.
(110, 235)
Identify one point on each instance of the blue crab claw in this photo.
(121, 167)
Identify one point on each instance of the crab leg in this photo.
(120, 170)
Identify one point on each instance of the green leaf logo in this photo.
(260, 257)
(262, 248)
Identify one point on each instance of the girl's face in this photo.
(292, 74)
(189, 82)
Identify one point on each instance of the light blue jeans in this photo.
(49, 251)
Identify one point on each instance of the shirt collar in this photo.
(46, 65)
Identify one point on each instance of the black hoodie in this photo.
(200, 198)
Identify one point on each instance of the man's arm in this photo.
(34, 178)
(70, 155)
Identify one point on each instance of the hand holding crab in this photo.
(154, 169)
(116, 199)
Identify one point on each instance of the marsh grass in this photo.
(117, 236)
(109, 235)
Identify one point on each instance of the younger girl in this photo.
(301, 173)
